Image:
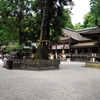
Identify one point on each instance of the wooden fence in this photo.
(39, 65)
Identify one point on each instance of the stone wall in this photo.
(93, 64)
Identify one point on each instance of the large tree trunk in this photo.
(44, 35)
(43, 49)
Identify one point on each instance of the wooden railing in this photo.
(83, 57)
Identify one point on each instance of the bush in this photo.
(13, 48)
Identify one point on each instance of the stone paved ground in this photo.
(71, 82)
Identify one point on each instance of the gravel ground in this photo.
(71, 82)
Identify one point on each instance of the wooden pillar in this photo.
(69, 47)
(56, 48)
(55, 55)
(63, 45)
(98, 45)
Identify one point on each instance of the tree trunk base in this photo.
(43, 50)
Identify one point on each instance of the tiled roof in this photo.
(86, 29)
(74, 34)
(71, 33)
(95, 30)
(77, 34)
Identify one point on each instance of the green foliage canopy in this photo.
(16, 20)
(20, 20)
(93, 17)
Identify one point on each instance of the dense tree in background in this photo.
(60, 22)
(67, 18)
(93, 17)
(89, 20)
(78, 26)
(95, 10)
(16, 18)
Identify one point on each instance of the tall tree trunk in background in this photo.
(43, 50)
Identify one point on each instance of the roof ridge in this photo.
(90, 28)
